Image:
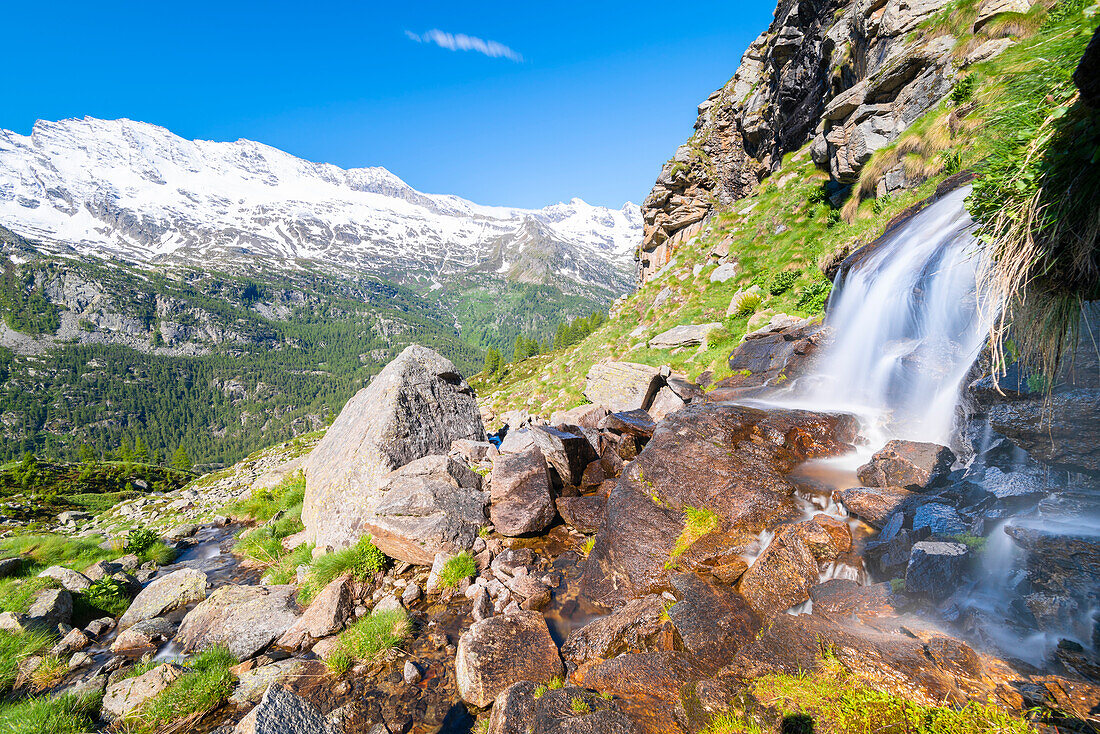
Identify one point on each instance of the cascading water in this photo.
(907, 326)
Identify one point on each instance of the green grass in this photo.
(55, 550)
(62, 715)
(732, 722)
(579, 706)
(49, 672)
(17, 594)
(262, 504)
(456, 569)
(976, 543)
(205, 684)
(833, 702)
(285, 571)
(105, 597)
(697, 523)
(158, 553)
(14, 647)
(363, 560)
(369, 638)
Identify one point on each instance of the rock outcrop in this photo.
(848, 77)
(499, 651)
(417, 406)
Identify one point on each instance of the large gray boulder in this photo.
(124, 696)
(51, 607)
(245, 619)
(622, 385)
(74, 581)
(282, 711)
(417, 406)
(499, 651)
(935, 568)
(685, 335)
(165, 594)
(429, 506)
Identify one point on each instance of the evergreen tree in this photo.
(181, 460)
(87, 454)
(141, 451)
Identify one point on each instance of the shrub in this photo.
(456, 569)
(362, 560)
(205, 684)
(106, 595)
(814, 297)
(782, 282)
(963, 91)
(747, 304)
(140, 540)
(368, 638)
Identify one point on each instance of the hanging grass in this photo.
(1036, 198)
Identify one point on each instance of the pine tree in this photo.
(181, 460)
(87, 454)
(141, 451)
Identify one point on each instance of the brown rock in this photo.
(911, 465)
(567, 452)
(585, 416)
(782, 576)
(520, 490)
(876, 504)
(584, 514)
(842, 598)
(637, 423)
(330, 611)
(499, 651)
(627, 629)
(713, 622)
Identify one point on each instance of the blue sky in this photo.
(569, 99)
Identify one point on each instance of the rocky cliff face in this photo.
(849, 76)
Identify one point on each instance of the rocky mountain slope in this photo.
(135, 191)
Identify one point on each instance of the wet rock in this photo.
(635, 423)
(51, 608)
(939, 519)
(74, 581)
(935, 568)
(97, 627)
(584, 416)
(417, 406)
(10, 566)
(584, 514)
(330, 611)
(254, 682)
(729, 459)
(685, 335)
(519, 710)
(911, 465)
(143, 635)
(766, 354)
(730, 571)
(876, 505)
(520, 490)
(627, 629)
(622, 385)
(430, 505)
(713, 622)
(567, 453)
(661, 674)
(497, 652)
(847, 598)
(890, 557)
(410, 673)
(164, 595)
(282, 711)
(123, 697)
(411, 593)
(245, 619)
(782, 576)
(1061, 559)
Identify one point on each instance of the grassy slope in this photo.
(784, 226)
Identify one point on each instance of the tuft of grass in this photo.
(976, 543)
(158, 553)
(555, 683)
(579, 706)
(262, 504)
(61, 715)
(285, 571)
(732, 722)
(589, 544)
(897, 585)
(697, 523)
(205, 684)
(456, 569)
(363, 560)
(14, 648)
(51, 671)
(540, 690)
(369, 638)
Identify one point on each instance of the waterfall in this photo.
(906, 326)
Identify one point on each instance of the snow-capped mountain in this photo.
(138, 192)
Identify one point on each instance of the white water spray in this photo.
(907, 326)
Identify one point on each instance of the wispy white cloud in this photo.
(462, 42)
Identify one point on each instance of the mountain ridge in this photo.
(139, 192)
